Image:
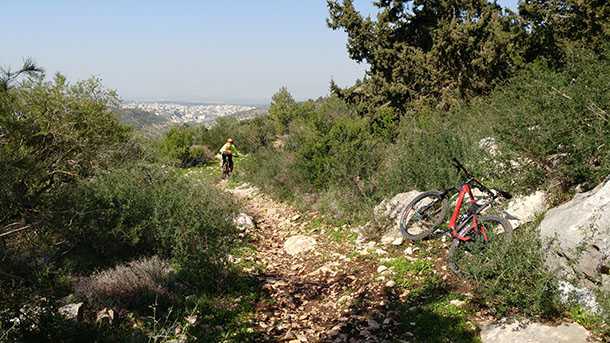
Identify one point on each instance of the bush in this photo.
(146, 209)
(53, 134)
(140, 282)
(557, 121)
(177, 142)
(511, 276)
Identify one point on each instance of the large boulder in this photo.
(524, 209)
(391, 209)
(578, 237)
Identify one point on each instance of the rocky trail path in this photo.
(322, 286)
(318, 292)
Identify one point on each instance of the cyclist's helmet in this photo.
(230, 140)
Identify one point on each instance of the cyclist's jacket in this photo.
(229, 149)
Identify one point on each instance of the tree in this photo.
(555, 23)
(427, 50)
(7, 76)
(282, 109)
(52, 134)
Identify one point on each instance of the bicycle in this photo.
(425, 214)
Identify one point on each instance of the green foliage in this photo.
(145, 210)
(511, 275)
(557, 121)
(557, 23)
(51, 134)
(421, 156)
(408, 271)
(283, 109)
(438, 52)
(84, 193)
(176, 144)
(421, 51)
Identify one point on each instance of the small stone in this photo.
(71, 311)
(373, 325)
(295, 217)
(390, 284)
(381, 269)
(458, 303)
(398, 241)
(299, 244)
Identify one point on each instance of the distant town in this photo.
(191, 112)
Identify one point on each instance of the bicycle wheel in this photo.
(423, 215)
(495, 228)
(226, 172)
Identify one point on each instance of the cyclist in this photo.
(228, 151)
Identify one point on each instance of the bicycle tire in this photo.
(226, 173)
(456, 243)
(439, 214)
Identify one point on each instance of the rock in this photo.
(244, 222)
(489, 145)
(295, 217)
(390, 284)
(527, 332)
(392, 209)
(523, 209)
(410, 250)
(72, 311)
(458, 303)
(570, 294)
(104, 314)
(373, 325)
(245, 190)
(299, 244)
(381, 269)
(391, 237)
(578, 237)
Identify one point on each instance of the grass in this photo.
(436, 319)
(599, 324)
(408, 273)
(341, 234)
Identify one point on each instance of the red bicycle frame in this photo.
(465, 189)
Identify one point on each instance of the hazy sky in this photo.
(227, 51)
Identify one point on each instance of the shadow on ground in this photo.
(426, 314)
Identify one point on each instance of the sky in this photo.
(239, 51)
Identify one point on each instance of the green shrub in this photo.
(511, 276)
(52, 134)
(143, 210)
(556, 121)
(176, 144)
(421, 157)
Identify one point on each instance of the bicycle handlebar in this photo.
(460, 168)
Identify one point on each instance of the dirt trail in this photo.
(345, 291)
(321, 295)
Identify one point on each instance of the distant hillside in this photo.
(154, 118)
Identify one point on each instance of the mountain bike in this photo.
(469, 230)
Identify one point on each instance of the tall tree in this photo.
(555, 23)
(427, 50)
(282, 109)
